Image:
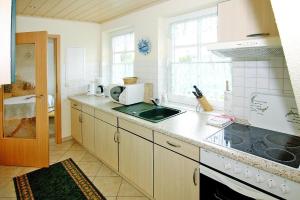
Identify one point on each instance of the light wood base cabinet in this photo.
(76, 118)
(106, 144)
(136, 160)
(88, 132)
(175, 177)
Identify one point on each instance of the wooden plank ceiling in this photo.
(97, 11)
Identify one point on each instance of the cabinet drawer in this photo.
(178, 146)
(88, 109)
(136, 129)
(106, 117)
(76, 105)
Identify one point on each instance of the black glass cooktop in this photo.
(279, 147)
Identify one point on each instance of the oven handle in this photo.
(235, 185)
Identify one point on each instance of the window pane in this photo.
(185, 33)
(185, 55)
(208, 29)
(129, 38)
(118, 43)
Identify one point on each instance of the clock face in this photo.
(144, 46)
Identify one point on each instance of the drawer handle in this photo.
(195, 176)
(258, 34)
(115, 136)
(173, 145)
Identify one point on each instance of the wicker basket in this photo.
(130, 80)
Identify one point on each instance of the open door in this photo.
(24, 106)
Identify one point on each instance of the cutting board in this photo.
(274, 112)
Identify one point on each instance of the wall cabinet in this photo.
(106, 143)
(175, 177)
(88, 132)
(76, 118)
(136, 160)
(245, 19)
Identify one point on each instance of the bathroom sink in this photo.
(149, 112)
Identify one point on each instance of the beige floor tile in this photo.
(75, 155)
(61, 147)
(89, 168)
(25, 170)
(91, 178)
(9, 171)
(127, 190)
(89, 158)
(8, 198)
(109, 186)
(8, 189)
(77, 147)
(106, 171)
(111, 198)
(132, 198)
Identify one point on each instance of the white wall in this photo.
(73, 34)
(149, 23)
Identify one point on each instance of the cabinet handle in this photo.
(258, 34)
(115, 136)
(173, 145)
(195, 176)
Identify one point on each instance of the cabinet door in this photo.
(88, 132)
(175, 177)
(106, 145)
(245, 19)
(136, 160)
(76, 125)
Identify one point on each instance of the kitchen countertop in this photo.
(191, 127)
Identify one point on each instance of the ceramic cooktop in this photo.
(279, 147)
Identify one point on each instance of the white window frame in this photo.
(112, 35)
(180, 19)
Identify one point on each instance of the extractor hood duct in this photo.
(255, 48)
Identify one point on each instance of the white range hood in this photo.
(254, 48)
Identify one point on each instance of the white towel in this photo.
(219, 121)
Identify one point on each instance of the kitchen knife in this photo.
(199, 93)
(196, 95)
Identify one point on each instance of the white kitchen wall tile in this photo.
(238, 82)
(238, 71)
(250, 63)
(262, 83)
(276, 84)
(287, 84)
(262, 90)
(250, 72)
(239, 112)
(238, 91)
(238, 64)
(238, 101)
(276, 62)
(286, 73)
(276, 72)
(262, 72)
(249, 91)
(262, 64)
(250, 82)
(276, 92)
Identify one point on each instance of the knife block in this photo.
(205, 104)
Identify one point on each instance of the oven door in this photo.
(216, 186)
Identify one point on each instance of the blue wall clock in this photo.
(144, 46)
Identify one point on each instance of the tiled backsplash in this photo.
(267, 77)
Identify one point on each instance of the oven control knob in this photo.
(247, 173)
(284, 188)
(271, 183)
(259, 178)
(227, 166)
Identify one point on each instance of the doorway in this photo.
(54, 92)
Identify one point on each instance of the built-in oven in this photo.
(217, 186)
(223, 178)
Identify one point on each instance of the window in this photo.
(190, 63)
(122, 57)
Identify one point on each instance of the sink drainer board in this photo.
(149, 112)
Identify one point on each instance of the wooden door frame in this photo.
(57, 119)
